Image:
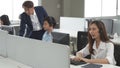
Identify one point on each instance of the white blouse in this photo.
(105, 50)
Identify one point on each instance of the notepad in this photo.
(92, 66)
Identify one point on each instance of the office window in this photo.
(6, 8)
(98, 8)
(13, 8)
(108, 7)
(118, 7)
(92, 8)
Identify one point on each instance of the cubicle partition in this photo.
(37, 53)
(3, 37)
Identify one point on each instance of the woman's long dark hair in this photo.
(103, 34)
(5, 19)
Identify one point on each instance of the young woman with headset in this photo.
(99, 46)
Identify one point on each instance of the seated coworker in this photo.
(49, 24)
(4, 20)
(99, 46)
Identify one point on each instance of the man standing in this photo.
(31, 24)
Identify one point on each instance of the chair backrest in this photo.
(10, 29)
(82, 40)
(61, 38)
(117, 54)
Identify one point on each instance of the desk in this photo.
(103, 66)
(8, 63)
(116, 40)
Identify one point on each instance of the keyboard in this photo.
(73, 62)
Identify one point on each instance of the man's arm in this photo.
(22, 25)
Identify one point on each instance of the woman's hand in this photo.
(76, 58)
(86, 60)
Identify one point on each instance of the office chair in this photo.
(82, 40)
(117, 54)
(10, 29)
(61, 38)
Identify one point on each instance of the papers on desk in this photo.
(99, 66)
(92, 66)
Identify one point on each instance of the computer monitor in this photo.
(61, 38)
(108, 25)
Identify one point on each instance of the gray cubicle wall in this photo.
(38, 54)
(108, 25)
(3, 37)
(116, 27)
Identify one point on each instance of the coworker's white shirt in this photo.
(105, 50)
(35, 22)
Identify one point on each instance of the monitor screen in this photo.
(108, 25)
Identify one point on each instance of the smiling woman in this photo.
(99, 46)
(13, 8)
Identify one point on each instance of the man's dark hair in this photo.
(51, 21)
(28, 4)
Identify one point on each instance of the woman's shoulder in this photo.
(109, 44)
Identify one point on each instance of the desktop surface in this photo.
(95, 66)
